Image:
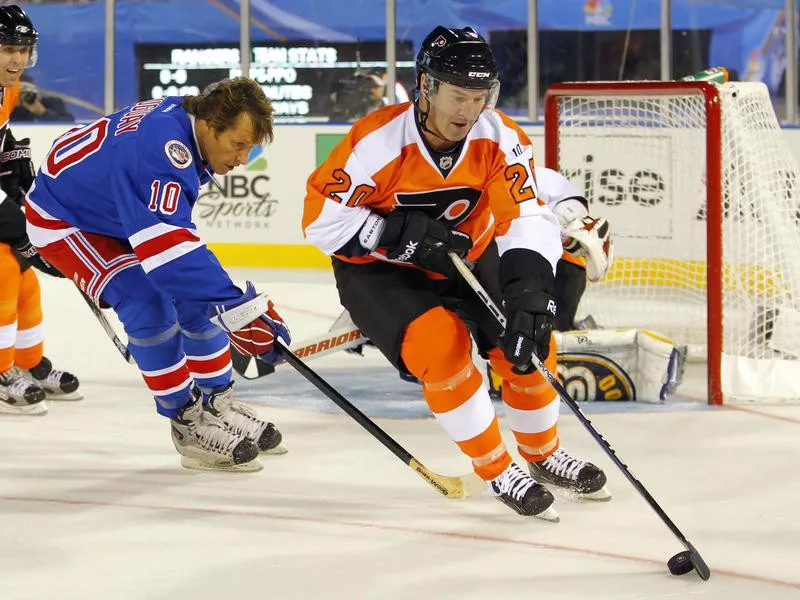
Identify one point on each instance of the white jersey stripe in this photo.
(170, 254)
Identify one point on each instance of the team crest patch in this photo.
(178, 154)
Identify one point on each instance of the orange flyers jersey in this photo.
(383, 164)
(10, 97)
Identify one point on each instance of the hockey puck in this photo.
(681, 563)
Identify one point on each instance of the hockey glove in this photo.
(252, 324)
(413, 237)
(591, 239)
(16, 168)
(531, 316)
(29, 253)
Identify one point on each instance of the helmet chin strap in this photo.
(423, 123)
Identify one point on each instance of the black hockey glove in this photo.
(16, 167)
(27, 251)
(414, 237)
(531, 316)
(526, 280)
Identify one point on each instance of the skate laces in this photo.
(212, 435)
(513, 482)
(14, 382)
(52, 381)
(562, 464)
(243, 419)
(238, 417)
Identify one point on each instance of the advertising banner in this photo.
(254, 217)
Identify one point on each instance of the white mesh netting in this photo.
(641, 160)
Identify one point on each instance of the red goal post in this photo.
(703, 196)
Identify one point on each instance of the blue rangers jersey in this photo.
(133, 175)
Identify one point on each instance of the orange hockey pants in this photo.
(20, 314)
(436, 349)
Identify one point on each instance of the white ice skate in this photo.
(205, 443)
(19, 396)
(58, 385)
(243, 420)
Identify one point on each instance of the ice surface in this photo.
(94, 504)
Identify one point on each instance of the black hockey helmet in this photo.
(16, 29)
(460, 57)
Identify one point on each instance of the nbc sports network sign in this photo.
(241, 203)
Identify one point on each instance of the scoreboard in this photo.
(298, 77)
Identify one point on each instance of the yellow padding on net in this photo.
(691, 274)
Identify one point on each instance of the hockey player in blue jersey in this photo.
(111, 209)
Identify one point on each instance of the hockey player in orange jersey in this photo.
(26, 376)
(411, 182)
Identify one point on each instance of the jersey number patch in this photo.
(518, 176)
(74, 146)
(337, 189)
(166, 200)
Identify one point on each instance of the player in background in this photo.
(27, 377)
(111, 209)
(411, 182)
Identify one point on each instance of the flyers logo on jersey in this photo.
(452, 205)
(178, 154)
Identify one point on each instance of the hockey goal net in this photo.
(701, 190)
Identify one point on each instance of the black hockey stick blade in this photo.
(249, 367)
(697, 561)
(450, 487)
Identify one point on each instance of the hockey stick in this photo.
(451, 487)
(342, 338)
(121, 347)
(692, 554)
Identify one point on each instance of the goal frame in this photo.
(714, 190)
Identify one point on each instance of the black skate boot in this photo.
(18, 396)
(58, 385)
(205, 443)
(573, 474)
(516, 489)
(243, 420)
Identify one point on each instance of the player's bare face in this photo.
(230, 148)
(454, 110)
(12, 63)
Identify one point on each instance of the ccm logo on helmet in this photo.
(478, 74)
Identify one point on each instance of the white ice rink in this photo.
(94, 504)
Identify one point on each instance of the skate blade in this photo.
(70, 396)
(28, 410)
(601, 495)
(248, 467)
(549, 514)
(276, 451)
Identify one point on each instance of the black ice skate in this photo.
(573, 474)
(243, 420)
(58, 385)
(18, 396)
(205, 443)
(516, 489)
